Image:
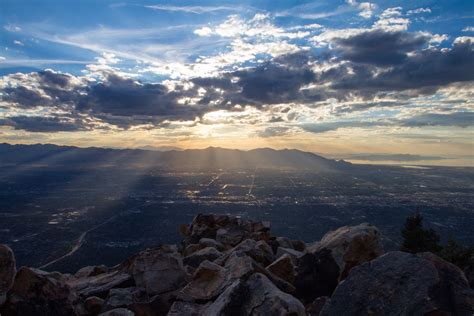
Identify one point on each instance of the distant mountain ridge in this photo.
(208, 158)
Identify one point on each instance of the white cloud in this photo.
(464, 39)
(391, 20)
(19, 43)
(366, 8)
(2, 58)
(194, 9)
(468, 29)
(12, 28)
(438, 38)
(203, 31)
(419, 11)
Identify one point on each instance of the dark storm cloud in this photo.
(273, 83)
(423, 73)
(44, 124)
(380, 47)
(49, 88)
(121, 97)
(367, 65)
(24, 97)
(54, 79)
(118, 101)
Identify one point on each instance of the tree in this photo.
(418, 239)
(457, 254)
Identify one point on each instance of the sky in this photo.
(372, 81)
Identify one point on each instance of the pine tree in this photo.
(418, 239)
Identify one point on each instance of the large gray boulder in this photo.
(7, 271)
(157, 270)
(400, 283)
(208, 253)
(316, 275)
(351, 246)
(118, 312)
(283, 268)
(264, 298)
(36, 292)
(208, 282)
(256, 296)
(100, 285)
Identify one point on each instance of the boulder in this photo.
(36, 292)
(284, 242)
(191, 248)
(186, 309)
(264, 298)
(7, 271)
(118, 312)
(123, 297)
(315, 308)
(316, 275)
(239, 265)
(230, 302)
(91, 271)
(283, 268)
(157, 270)
(208, 242)
(154, 306)
(136, 300)
(230, 236)
(351, 245)
(208, 253)
(203, 226)
(100, 285)
(294, 254)
(260, 251)
(469, 273)
(93, 305)
(298, 245)
(208, 281)
(400, 283)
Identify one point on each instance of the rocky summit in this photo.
(226, 265)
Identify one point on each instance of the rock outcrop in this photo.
(400, 283)
(351, 246)
(226, 265)
(7, 271)
(36, 292)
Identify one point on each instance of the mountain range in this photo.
(208, 158)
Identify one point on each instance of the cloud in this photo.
(366, 8)
(419, 11)
(12, 28)
(260, 26)
(273, 131)
(379, 47)
(468, 29)
(194, 9)
(459, 119)
(424, 71)
(323, 127)
(44, 124)
(19, 43)
(203, 31)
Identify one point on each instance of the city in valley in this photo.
(64, 216)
